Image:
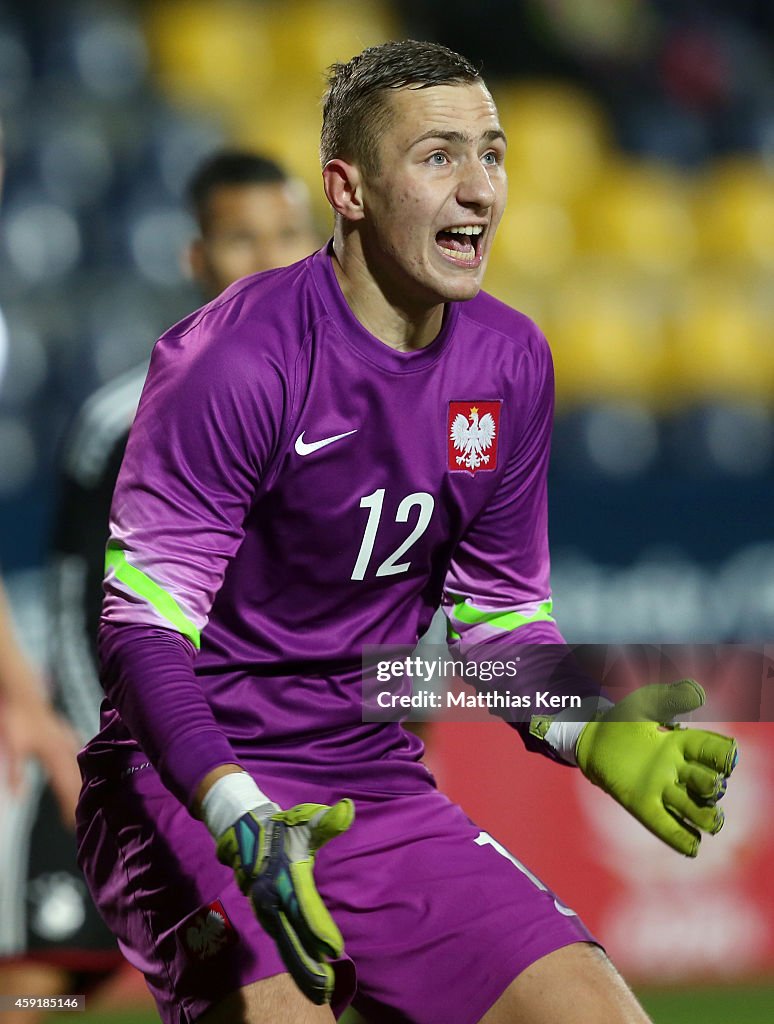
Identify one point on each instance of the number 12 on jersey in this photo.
(374, 503)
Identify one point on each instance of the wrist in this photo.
(229, 797)
(209, 780)
(562, 732)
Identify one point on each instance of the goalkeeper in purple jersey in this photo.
(322, 455)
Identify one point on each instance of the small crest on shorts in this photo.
(208, 932)
(472, 433)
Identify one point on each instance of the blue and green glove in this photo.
(670, 778)
(273, 860)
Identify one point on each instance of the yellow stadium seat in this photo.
(720, 342)
(557, 138)
(536, 238)
(210, 54)
(308, 36)
(606, 334)
(639, 214)
(735, 212)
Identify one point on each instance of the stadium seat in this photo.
(73, 160)
(657, 129)
(536, 237)
(108, 51)
(557, 138)
(206, 54)
(42, 239)
(606, 334)
(175, 143)
(614, 439)
(15, 66)
(638, 214)
(735, 212)
(308, 36)
(721, 439)
(720, 342)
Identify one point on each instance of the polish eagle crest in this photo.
(206, 935)
(208, 932)
(472, 437)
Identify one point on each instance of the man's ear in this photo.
(197, 262)
(343, 185)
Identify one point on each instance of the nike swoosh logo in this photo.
(307, 447)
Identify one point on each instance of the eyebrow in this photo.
(460, 137)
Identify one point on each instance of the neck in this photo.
(380, 308)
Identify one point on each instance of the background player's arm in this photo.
(29, 725)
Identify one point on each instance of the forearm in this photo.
(544, 665)
(18, 681)
(28, 723)
(148, 676)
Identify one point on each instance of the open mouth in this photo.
(461, 244)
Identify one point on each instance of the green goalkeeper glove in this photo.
(670, 778)
(273, 858)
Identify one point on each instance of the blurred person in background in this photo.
(251, 216)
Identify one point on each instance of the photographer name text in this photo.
(462, 699)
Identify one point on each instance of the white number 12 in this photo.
(374, 502)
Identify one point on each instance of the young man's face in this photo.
(250, 228)
(441, 169)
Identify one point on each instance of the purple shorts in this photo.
(437, 917)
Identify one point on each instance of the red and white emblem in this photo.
(473, 431)
(208, 932)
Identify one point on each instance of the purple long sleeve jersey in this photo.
(294, 489)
